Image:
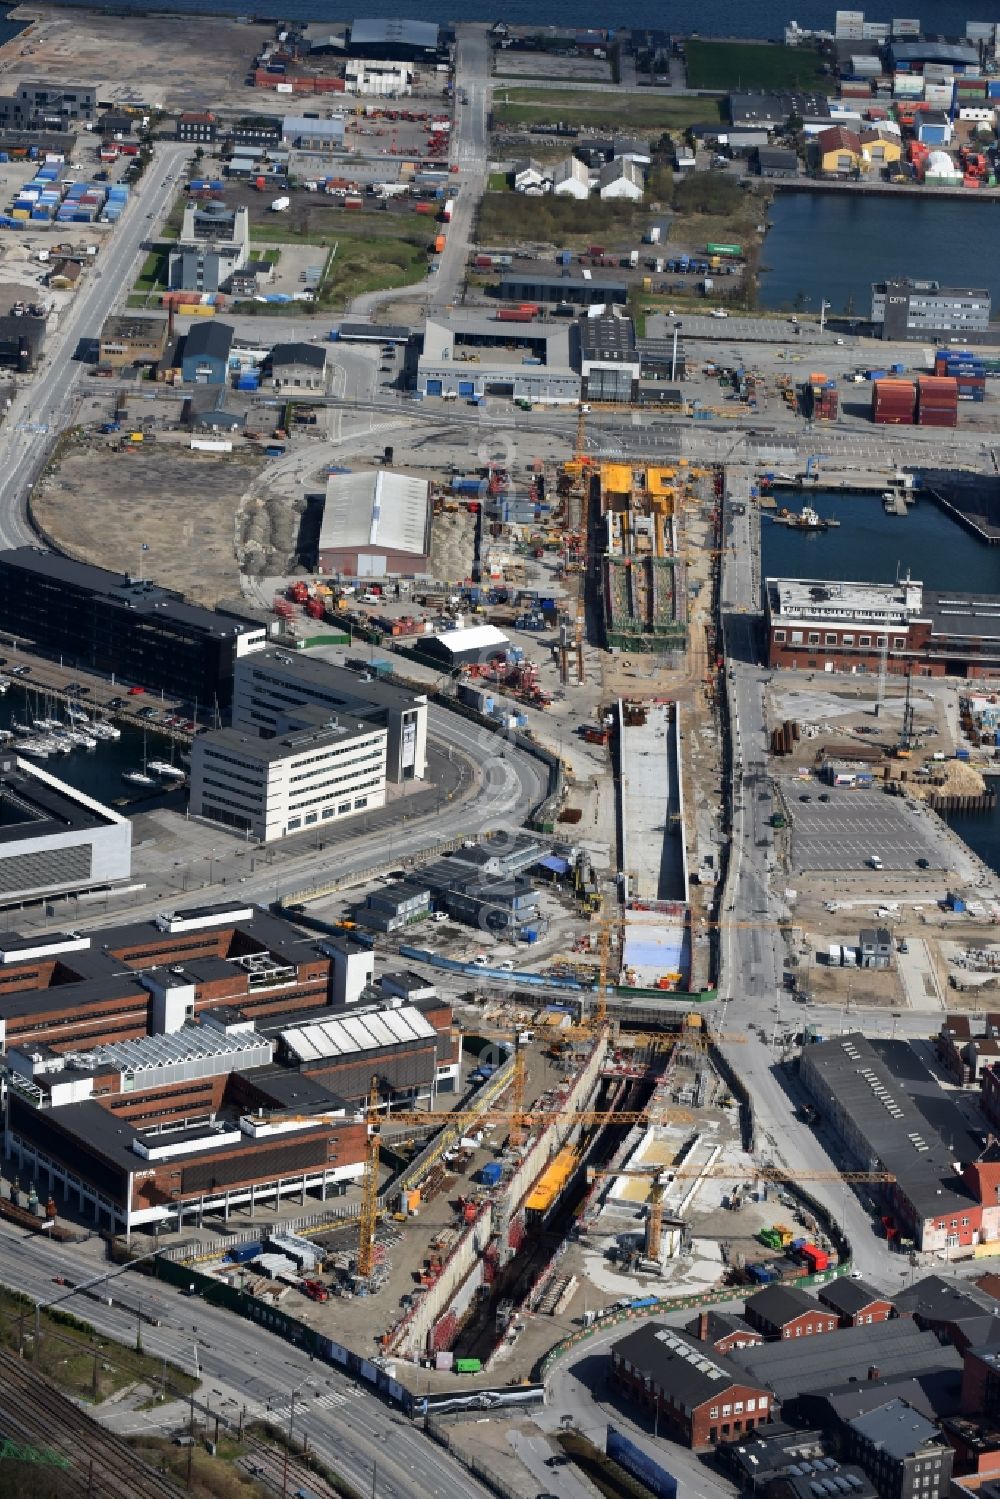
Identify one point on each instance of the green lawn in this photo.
(80, 1362)
(510, 217)
(154, 271)
(735, 66)
(600, 108)
(360, 265)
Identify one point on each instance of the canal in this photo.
(833, 245)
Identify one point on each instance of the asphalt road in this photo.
(243, 1365)
(42, 402)
(469, 152)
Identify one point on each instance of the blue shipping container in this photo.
(491, 1174)
(241, 1254)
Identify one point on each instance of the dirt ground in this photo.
(842, 986)
(453, 547)
(100, 506)
(155, 59)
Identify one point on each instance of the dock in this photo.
(971, 499)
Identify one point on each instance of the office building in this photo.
(310, 133)
(473, 354)
(610, 362)
(164, 1069)
(298, 367)
(48, 106)
(131, 631)
(214, 243)
(925, 310)
(200, 127)
(301, 781)
(53, 838)
(272, 690)
(903, 1452)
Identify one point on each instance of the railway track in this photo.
(35, 1415)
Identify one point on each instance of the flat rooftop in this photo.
(337, 681)
(119, 590)
(284, 746)
(825, 599)
(132, 327)
(963, 614)
(552, 342)
(34, 804)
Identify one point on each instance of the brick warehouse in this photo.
(160, 1071)
(820, 625)
(701, 1399)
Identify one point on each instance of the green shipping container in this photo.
(724, 249)
(468, 1365)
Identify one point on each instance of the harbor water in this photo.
(713, 17)
(871, 547)
(833, 245)
(97, 772)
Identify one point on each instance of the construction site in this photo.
(591, 1170)
(643, 593)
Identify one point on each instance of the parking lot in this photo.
(846, 831)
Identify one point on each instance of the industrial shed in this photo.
(375, 524)
(396, 38)
(465, 647)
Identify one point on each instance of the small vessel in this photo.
(806, 519)
(165, 769)
(21, 728)
(140, 777)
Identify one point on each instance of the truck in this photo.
(281, 205)
(274, 450)
(314, 1289)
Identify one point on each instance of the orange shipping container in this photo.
(439, 244)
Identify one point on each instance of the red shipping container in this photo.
(514, 315)
(939, 418)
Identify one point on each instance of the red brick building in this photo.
(818, 625)
(723, 1331)
(198, 1063)
(787, 1312)
(701, 1398)
(856, 1304)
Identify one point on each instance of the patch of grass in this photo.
(510, 217)
(608, 108)
(79, 1361)
(498, 183)
(606, 1476)
(360, 266)
(211, 1477)
(754, 65)
(153, 275)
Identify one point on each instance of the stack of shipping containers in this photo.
(821, 398)
(966, 368)
(893, 402)
(937, 401)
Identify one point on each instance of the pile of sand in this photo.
(959, 779)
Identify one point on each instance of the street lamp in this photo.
(288, 1445)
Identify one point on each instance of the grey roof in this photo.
(390, 511)
(957, 52)
(295, 125)
(779, 1304)
(777, 158)
(396, 31)
(271, 751)
(678, 1364)
(897, 1429)
(722, 1325)
(209, 338)
(344, 687)
(797, 1366)
(849, 1296)
(962, 614)
(913, 1129)
(860, 1398)
(935, 1299)
(298, 353)
(608, 337)
(375, 332)
(144, 598)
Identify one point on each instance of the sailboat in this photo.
(166, 770)
(140, 777)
